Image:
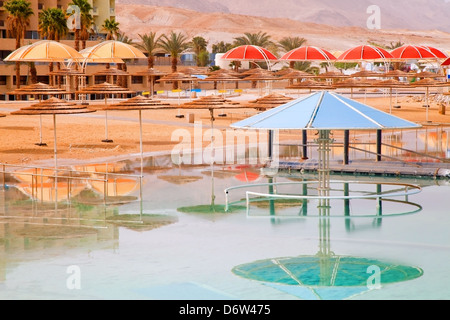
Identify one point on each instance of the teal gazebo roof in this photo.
(324, 111)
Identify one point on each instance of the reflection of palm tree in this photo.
(19, 13)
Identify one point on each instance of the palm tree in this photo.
(198, 44)
(222, 47)
(111, 27)
(52, 25)
(19, 14)
(86, 22)
(174, 44)
(290, 43)
(150, 44)
(261, 39)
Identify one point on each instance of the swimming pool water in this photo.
(194, 256)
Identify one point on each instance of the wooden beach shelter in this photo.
(53, 106)
(106, 89)
(40, 90)
(262, 77)
(353, 83)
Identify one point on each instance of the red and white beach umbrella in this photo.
(438, 53)
(365, 52)
(412, 52)
(249, 53)
(308, 53)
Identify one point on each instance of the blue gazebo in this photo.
(325, 111)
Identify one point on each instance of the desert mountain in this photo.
(400, 14)
(137, 19)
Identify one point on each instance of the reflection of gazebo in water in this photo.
(326, 275)
(106, 89)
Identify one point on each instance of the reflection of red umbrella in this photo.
(247, 176)
(308, 53)
(365, 52)
(412, 52)
(249, 53)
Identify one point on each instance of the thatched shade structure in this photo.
(270, 101)
(311, 85)
(40, 90)
(106, 89)
(176, 77)
(390, 84)
(398, 74)
(429, 83)
(366, 74)
(151, 73)
(53, 106)
(139, 103)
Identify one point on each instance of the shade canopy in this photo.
(249, 53)
(412, 52)
(438, 53)
(45, 51)
(365, 52)
(53, 106)
(112, 49)
(308, 53)
(324, 111)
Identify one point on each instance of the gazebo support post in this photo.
(55, 156)
(324, 149)
(304, 145)
(379, 142)
(346, 145)
(270, 144)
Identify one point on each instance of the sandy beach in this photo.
(79, 136)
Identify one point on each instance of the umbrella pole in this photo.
(55, 155)
(142, 160)
(40, 132)
(106, 123)
(213, 197)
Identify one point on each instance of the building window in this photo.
(2, 80)
(100, 79)
(137, 79)
(40, 6)
(43, 79)
(2, 23)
